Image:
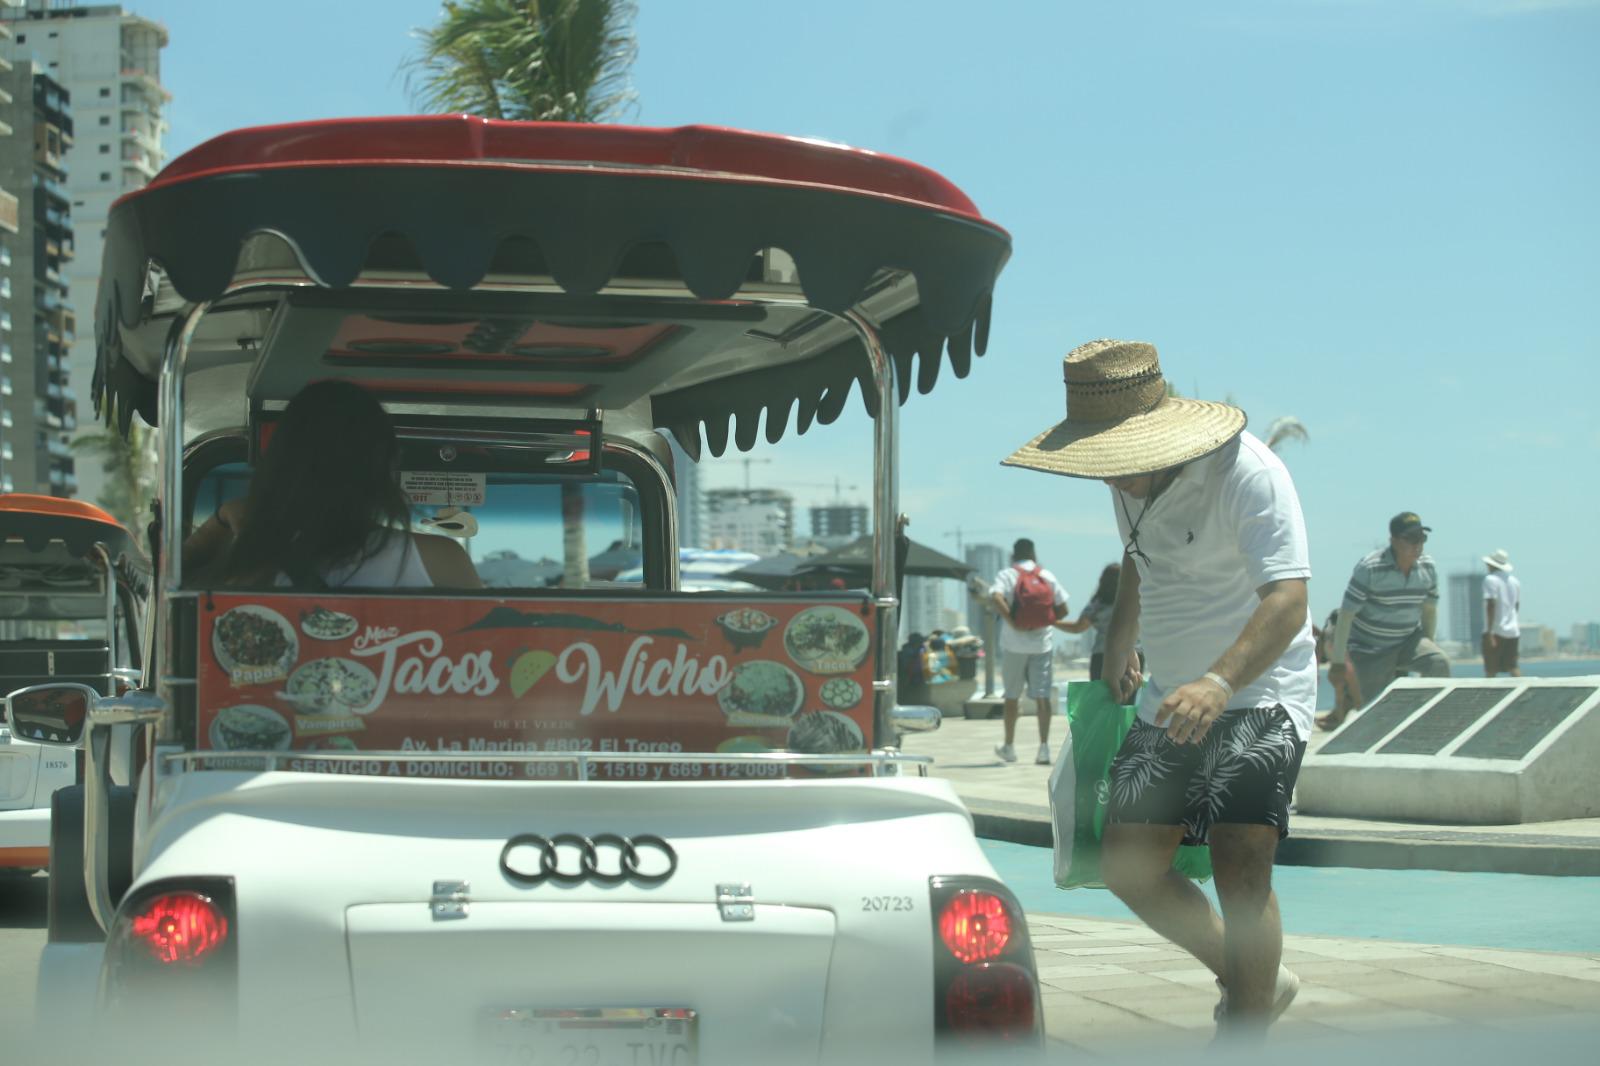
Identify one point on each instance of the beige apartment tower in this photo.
(108, 61)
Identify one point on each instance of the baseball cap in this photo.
(1405, 523)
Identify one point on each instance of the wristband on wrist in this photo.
(1221, 682)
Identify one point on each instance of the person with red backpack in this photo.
(1030, 601)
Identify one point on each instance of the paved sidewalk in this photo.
(1114, 986)
(1010, 802)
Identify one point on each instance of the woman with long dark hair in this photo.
(1097, 614)
(325, 508)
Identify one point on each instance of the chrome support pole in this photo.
(97, 821)
(176, 355)
(98, 734)
(97, 775)
(111, 616)
(885, 523)
(991, 648)
(170, 458)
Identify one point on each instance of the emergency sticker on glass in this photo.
(441, 488)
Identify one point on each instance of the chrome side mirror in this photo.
(916, 718)
(131, 708)
(50, 714)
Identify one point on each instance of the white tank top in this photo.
(397, 565)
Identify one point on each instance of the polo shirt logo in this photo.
(1190, 538)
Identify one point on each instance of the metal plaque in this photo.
(1446, 720)
(1519, 728)
(1377, 721)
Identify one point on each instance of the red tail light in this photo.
(985, 990)
(178, 928)
(975, 926)
(994, 1000)
(174, 940)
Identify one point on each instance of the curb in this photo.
(1364, 851)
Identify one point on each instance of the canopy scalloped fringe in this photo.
(582, 225)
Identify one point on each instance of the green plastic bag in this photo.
(1079, 790)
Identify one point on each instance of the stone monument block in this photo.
(1468, 751)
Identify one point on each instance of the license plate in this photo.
(592, 1036)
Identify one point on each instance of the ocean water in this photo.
(1471, 668)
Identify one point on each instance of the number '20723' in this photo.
(886, 903)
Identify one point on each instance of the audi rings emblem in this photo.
(605, 859)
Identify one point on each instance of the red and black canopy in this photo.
(458, 199)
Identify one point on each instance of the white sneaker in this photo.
(1284, 989)
(1006, 752)
(1044, 755)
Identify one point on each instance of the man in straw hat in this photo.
(1213, 583)
(1502, 604)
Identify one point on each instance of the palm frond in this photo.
(129, 468)
(1285, 429)
(540, 60)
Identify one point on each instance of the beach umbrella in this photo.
(773, 572)
(855, 559)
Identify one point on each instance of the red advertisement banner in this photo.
(346, 673)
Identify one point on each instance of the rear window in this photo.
(526, 530)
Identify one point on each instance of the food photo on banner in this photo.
(346, 674)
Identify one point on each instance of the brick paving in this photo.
(1117, 986)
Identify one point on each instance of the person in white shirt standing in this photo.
(1213, 581)
(1030, 601)
(1502, 607)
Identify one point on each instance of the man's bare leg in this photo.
(1044, 720)
(1241, 861)
(1136, 863)
(1011, 720)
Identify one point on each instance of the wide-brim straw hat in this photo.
(1121, 422)
(1500, 560)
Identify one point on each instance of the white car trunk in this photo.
(336, 877)
(757, 987)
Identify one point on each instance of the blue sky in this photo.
(1376, 215)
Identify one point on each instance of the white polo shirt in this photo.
(1227, 525)
(1506, 592)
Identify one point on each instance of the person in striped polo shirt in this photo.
(1387, 619)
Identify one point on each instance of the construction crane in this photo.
(747, 461)
(959, 532)
(837, 485)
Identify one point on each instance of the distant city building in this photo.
(924, 605)
(752, 520)
(838, 524)
(1537, 640)
(37, 410)
(1466, 607)
(1586, 637)
(986, 560)
(108, 61)
(691, 504)
(9, 146)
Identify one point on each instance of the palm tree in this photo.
(129, 469)
(535, 60)
(532, 60)
(1285, 429)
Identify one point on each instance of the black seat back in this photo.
(42, 662)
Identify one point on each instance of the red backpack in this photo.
(1033, 604)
